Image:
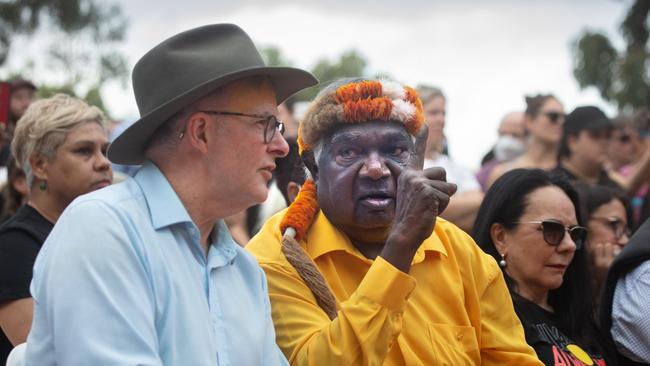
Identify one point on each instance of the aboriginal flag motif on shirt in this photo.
(553, 347)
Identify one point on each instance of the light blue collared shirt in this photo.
(123, 280)
(630, 316)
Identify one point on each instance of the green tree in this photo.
(82, 35)
(273, 56)
(349, 64)
(621, 77)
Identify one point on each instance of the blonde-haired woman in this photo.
(60, 143)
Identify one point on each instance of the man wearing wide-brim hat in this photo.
(139, 273)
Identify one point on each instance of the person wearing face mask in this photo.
(510, 145)
(543, 119)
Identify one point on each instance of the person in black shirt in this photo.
(61, 144)
(583, 152)
(529, 222)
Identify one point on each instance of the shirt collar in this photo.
(165, 208)
(223, 247)
(324, 238)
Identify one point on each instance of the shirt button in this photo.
(459, 336)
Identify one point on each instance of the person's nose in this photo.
(568, 245)
(102, 162)
(278, 146)
(374, 167)
(622, 241)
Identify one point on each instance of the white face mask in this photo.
(508, 147)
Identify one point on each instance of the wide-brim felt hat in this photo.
(188, 66)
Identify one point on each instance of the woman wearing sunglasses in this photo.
(606, 213)
(529, 223)
(544, 117)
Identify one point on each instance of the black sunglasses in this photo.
(617, 225)
(554, 231)
(554, 117)
(272, 122)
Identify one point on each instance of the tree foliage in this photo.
(80, 38)
(621, 76)
(349, 64)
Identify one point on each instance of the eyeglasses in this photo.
(272, 122)
(554, 231)
(554, 117)
(617, 225)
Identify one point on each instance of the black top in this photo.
(546, 335)
(21, 237)
(5, 152)
(633, 254)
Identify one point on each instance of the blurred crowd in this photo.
(555, 202)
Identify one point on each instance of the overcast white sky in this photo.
(485, 55)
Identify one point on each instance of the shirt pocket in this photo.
(454, 345)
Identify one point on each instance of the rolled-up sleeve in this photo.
(93, 303)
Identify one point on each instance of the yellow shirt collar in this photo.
(323, 238)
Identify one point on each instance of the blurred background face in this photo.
(80, 165)
(512, 137)
(623, 147)
(590, 146)
(434, 115)
(513, 125)
(534, 265)
(608, 224)
(544, 126)
(290, 123)
(21, 98)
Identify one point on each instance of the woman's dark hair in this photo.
(12, 199)
(504, 203)
(289, 169)
(593, 196)
(534, 103)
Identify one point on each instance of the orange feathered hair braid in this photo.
(299, 217)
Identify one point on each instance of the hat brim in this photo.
(599, 124)
(129, 147)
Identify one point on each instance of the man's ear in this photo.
(310, 162)
(196, 132)
(292, 190)
(39, 165)
(498, 235)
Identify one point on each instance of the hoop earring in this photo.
(502, 262)
(43, 185)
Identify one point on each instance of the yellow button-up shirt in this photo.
(453, 308)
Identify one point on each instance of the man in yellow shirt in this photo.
(360, 269)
